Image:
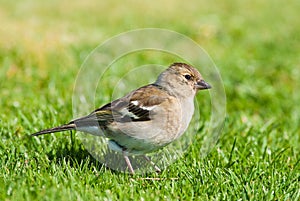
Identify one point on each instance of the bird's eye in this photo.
(187, 76)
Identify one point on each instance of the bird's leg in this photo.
(155, 167)
(128, 162)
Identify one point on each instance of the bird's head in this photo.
(182, 80)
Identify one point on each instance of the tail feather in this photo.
(66, 127)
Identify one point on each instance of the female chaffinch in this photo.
(147, 118)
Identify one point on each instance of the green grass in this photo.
(255, 45)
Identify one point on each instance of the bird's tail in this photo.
(66, 127)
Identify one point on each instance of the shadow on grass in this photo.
(72, 153)
(69, 152)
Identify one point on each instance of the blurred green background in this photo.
(254, 44)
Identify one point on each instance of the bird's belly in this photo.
(134, 147)
(140, 139)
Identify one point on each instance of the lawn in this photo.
(255, 46)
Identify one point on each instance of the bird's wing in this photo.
(135, 106)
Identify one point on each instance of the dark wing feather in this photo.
(139, 114)
(124, 109)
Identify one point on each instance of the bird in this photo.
(146, 119)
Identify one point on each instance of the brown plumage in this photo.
(148, 118)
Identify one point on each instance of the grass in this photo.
(255, 45)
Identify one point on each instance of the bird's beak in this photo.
(201, 85)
